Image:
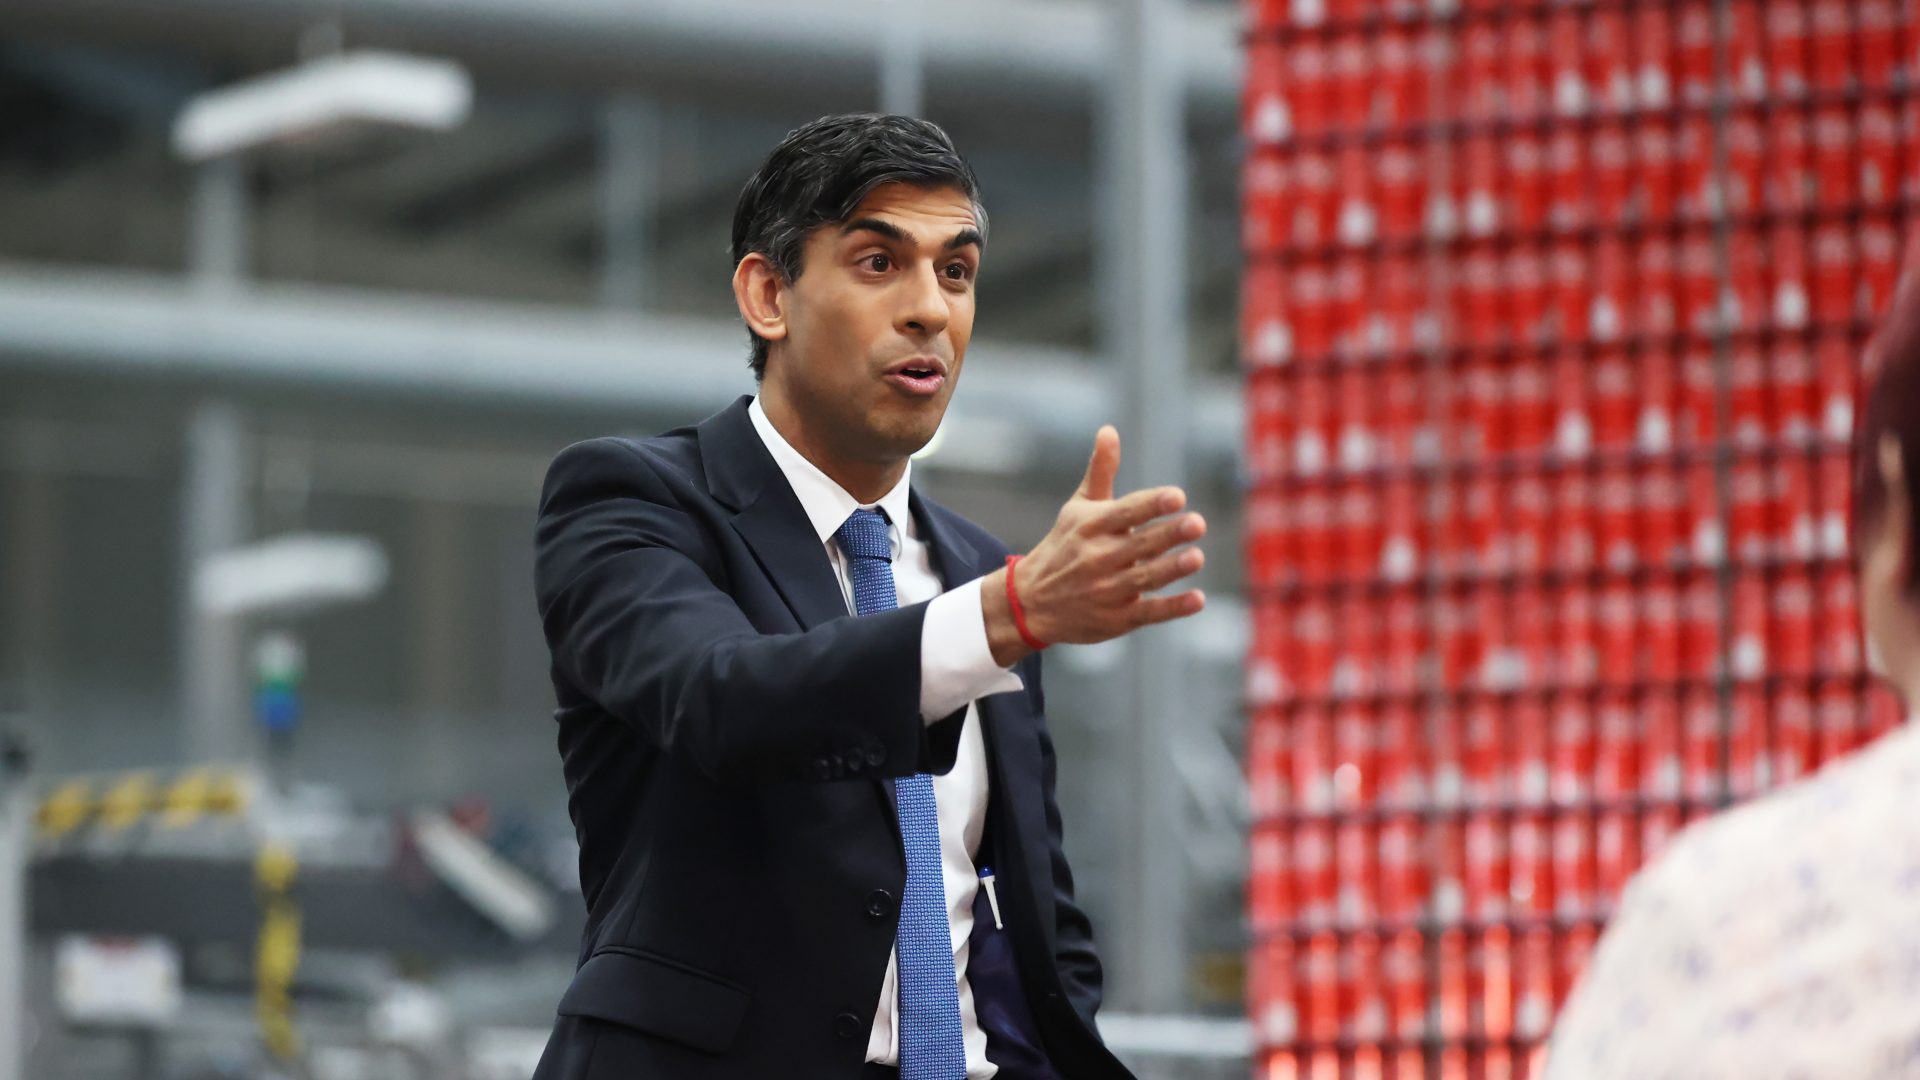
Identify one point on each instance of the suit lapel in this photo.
(742, 474)
(782, 538)
(954, 559)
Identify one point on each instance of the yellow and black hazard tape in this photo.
(123, 800)
(277, 956)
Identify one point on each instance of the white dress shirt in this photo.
(956, 666)
(1780, 939)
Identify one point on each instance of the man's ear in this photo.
(760, 293)
(1900, 508)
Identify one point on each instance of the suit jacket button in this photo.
(846, 1025)
(823, 768)
(855, 762)
(879, 904)
(876, 756)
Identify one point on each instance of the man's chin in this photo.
(908, 438)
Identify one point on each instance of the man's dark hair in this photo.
(1890, 406)
(820, 172)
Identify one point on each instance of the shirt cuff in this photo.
(956, 662)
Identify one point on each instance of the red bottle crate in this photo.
(1787, 62)
(1269, 772)
(1403, 877)
(1654, 187)
(1524, 274)
(1526, 91)
(1655, 64)
(1836, 374)
(1839, 717)
(1478, 88)
(1530, 731)
(1830, 48)
(1355, 844)
(1269, 880)
(1401, 765)
(1569, 305)
(1569, 205)
(1795, 525)
(1402, 78)
(1577, 634)
(1703, 777)
(1661, 768)
(1616, 854)
(1575, 542)
(1483, 752)
(1530, 884)
(1567, 74)
(1833, 489)
(1486, 874)
(1700, 634)
(1273, 1002)
(1694, 44)
(1878, 268)
(1266, 338)
(1791, 732)
(1662, 655)
(1839, 650)
(1656, 310)
(1573, 866)
(1315, 888)
(1877, 29)
(1446, 859)
(1835, 169)
(1574, 951)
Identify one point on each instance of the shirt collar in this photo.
(828, 505)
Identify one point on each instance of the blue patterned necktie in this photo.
(931, 1045)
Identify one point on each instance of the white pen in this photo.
(993, 898)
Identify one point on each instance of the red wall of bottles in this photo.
(1551, 328)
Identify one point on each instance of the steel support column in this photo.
(1143, 228)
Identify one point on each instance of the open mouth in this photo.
(917, 378)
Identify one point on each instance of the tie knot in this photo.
(864, 536)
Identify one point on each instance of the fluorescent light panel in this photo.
(338, 95)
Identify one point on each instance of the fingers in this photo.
(1135, 508)
(1159, 609)
(1163, 571)
(1150, 540)
(1103, 466)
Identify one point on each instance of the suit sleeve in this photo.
(1074, 953)
(626, 585)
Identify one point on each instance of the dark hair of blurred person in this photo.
(820, 173)
(1886, 495)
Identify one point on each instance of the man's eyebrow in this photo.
(872, 224)
(966, 236)
(963, 238)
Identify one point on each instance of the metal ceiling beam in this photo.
(542, 355)
(1056, 47)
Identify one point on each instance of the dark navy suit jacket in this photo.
(728, 735)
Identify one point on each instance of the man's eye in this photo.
(877, 262)
(959, 271)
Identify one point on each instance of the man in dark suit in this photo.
(800, 712)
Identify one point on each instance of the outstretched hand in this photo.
(1090, 578)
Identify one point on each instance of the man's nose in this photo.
(924, 307)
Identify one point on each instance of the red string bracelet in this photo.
(1019, 615)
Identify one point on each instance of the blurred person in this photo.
(800, 715)
(1782, 938)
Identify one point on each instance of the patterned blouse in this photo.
(1778, 940)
